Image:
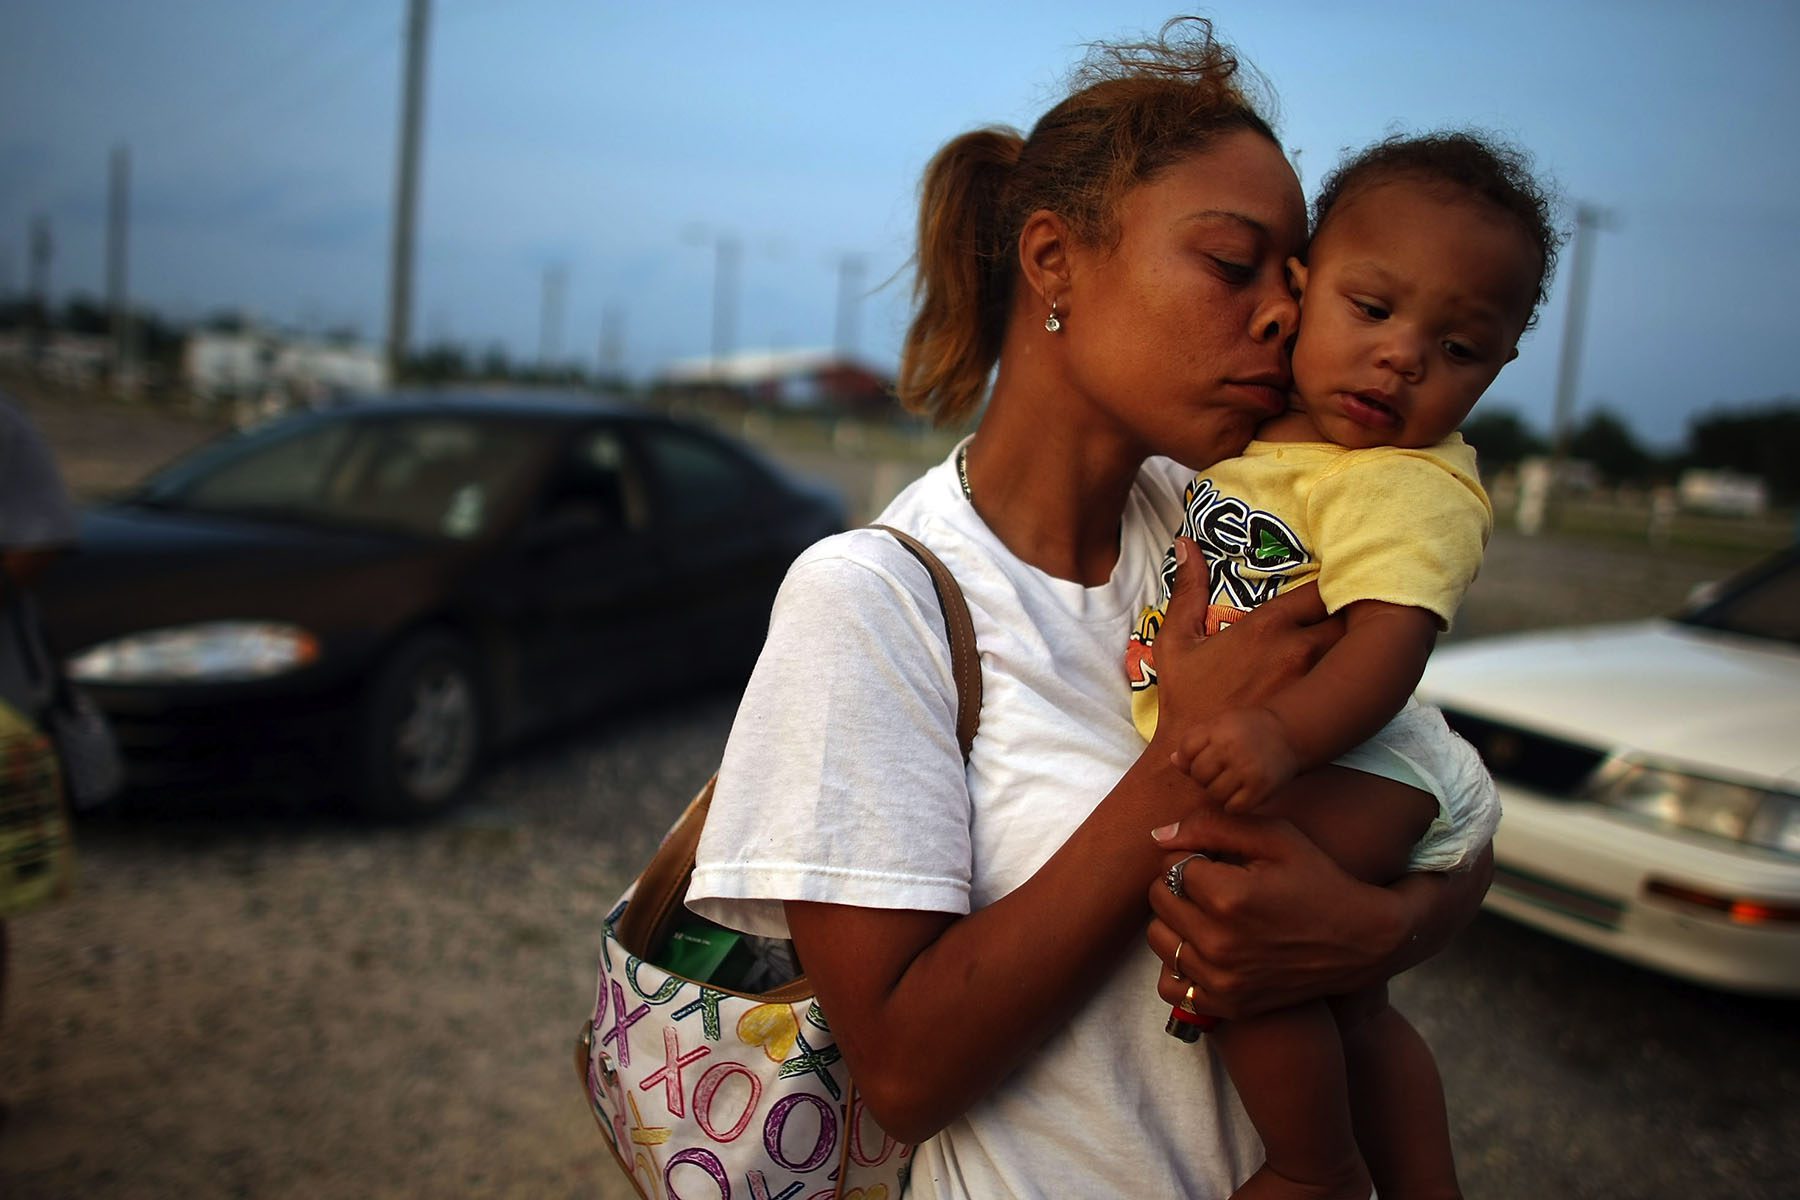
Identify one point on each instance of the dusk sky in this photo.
(617, 141)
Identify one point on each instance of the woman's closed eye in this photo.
(1233, 271)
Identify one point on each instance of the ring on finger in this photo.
(1178, 946)
(1174, 877)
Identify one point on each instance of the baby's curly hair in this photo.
(1464, 159)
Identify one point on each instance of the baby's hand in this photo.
(1240, 757)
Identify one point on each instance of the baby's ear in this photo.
(1512, 354)
(1296, 277)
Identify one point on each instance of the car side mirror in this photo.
(1701, 594)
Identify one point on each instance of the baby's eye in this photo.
(1371, 310)
(1461, 351)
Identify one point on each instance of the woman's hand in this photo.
(1268, 920)
(1199, 677)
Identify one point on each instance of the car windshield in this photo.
(1765, 603)
(436, 476)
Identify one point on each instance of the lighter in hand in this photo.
(1186, 1022)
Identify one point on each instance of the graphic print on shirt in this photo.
(1250, 556)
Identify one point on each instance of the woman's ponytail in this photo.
(1137, 107)
(964, 276)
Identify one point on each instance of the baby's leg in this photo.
(1397, 1100)
(1368, 825)
(1288, 1067)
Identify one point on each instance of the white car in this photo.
(1650, 778)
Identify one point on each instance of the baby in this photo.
(1429, 258)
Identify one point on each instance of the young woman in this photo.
(976, 933)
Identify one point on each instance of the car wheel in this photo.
(421, 729)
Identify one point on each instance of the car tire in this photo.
(421, 729)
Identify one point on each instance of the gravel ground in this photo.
(286, 1004)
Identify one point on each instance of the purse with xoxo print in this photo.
(715, 1072)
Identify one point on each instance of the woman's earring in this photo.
(1052, 323)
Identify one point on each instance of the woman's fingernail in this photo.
(1181, 552)
(1163, 833)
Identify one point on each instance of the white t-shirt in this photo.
(842, 782)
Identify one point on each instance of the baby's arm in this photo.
(1243, 755)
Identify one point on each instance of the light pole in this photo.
(1590, 219)
(406, 186)
(117, 300)
(850, 267)
(550, 317)
(728, 257)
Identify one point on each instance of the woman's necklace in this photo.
(962, 470)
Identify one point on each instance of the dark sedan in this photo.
(374, 595)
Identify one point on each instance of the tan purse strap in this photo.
(965, 664)
(662, 887)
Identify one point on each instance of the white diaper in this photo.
(1416, 748)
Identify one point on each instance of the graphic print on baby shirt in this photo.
(1250, 556)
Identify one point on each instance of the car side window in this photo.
(597, 486)
(437, 476)
(294, 471)
(1767, 608)
(698, 480)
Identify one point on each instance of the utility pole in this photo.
(42, 249)
(728, 252)
(550, 318)
(1589, 220)
(117, 301)
(612, 343)
(406, 187)
(850, 275)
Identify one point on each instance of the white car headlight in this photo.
(212, 652)
(1755, 816)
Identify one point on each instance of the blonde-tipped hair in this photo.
(1134, 109)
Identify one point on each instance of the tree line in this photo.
(1759, 439)
(158, 342)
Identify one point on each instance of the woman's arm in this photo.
(933, 1010)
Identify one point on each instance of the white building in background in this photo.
(332, 366)
(227, 364)
(798, 380)
(72, 357)
(1725, 493)
(254, 364)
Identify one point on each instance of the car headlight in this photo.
(212, 652)
(1753, 815)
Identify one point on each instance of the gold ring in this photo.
(1187, 1001)
(1178, 945)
